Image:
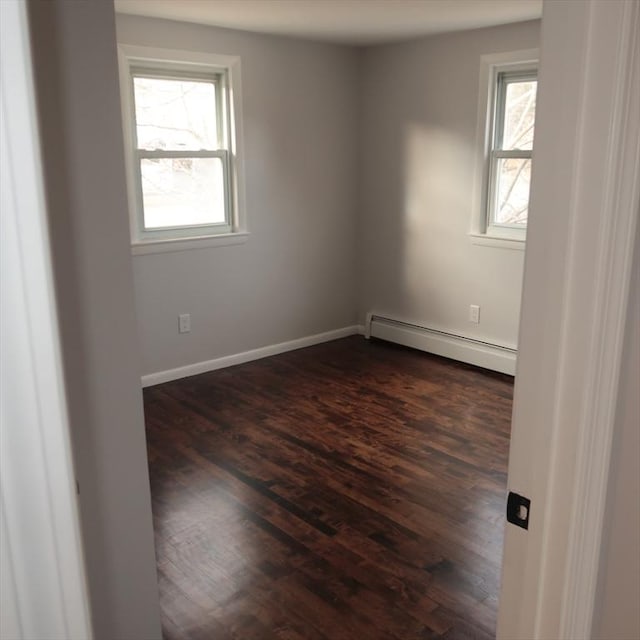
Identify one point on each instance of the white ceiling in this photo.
(357, 22)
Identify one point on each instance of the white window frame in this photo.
(483, 231)
(224, 72)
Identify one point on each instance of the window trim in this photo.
(151, 61)
(482, 232)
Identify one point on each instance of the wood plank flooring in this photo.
(352, 490)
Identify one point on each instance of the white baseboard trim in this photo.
(468, 350)
(247, 356)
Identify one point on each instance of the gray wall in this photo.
(618, 612)
(331, 238)
(295, 276)
(419, 113)
(77, 88)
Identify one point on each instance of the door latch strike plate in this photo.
(518, 509)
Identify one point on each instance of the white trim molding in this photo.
(484, 240)
(620, 203)
(585, 201)
(442, 343)
(188, 244)
(44, 589)
(247, 356)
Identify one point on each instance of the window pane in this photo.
(519, 115)
(182, 191)
(175, 114)
(513, 177)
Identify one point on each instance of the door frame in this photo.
(580, 245)
(42, 564)
(576, 286)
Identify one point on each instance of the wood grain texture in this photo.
(351, 490)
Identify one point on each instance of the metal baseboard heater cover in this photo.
(469, 350)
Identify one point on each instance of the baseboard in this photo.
(247, 356)
(468, 350)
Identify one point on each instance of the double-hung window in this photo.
(183, 152)
(508, 127)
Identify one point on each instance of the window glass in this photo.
(179, 192)
(512, 192)
(175, 114)
(519, 115)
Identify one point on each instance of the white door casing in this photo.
(41, 561)
(580, 241)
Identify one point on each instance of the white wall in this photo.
(419, 113)
(618, 611)
(295, 276)
(76, 73)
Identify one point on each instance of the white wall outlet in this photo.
(474, 313)
(184, 323)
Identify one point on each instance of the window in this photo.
(512, 143)
(183, 166)
(506, 125)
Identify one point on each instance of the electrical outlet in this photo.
(474, 314)
(184, 323)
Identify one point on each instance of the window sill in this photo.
(500, 242)
(187, 244)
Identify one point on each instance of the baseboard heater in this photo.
(482, 354)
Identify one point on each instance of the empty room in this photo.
(344, 344)
(350, 488)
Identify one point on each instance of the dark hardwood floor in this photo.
(352, 490)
